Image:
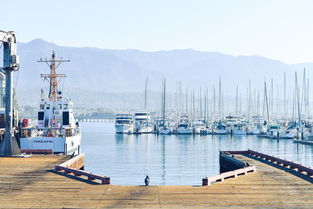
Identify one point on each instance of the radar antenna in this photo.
(53, 78)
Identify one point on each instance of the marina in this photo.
(172, 159)
(32, 183)
(156, 105)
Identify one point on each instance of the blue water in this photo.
(171, 160)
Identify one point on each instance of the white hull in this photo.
(124, 128)
(66, 145)
(184, 131)
(256, 131)
(220, 132)
(239, 132)
(272, 134)
(146, 130)
(164, 131)
(201, 131)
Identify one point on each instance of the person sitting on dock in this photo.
(147, 180)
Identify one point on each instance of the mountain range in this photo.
(97, 73)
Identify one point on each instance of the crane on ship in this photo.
(9, 146)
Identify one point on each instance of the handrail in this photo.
(292, 165)
(73, 165)
(221, 177)
(89, 175)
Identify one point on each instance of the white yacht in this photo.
(143, 124)
(163, 126)
(200, 127)
(124, 124)
(220, 128)
(184, 126)
(273, 131)
(239, 128)
(56, 130)
(257, 127)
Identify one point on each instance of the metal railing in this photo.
(275, 160)
(48, 132)
(73, 165)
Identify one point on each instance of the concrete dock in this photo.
(32, 183)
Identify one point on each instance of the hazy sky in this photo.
(278, 29)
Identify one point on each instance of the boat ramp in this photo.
(56, 181)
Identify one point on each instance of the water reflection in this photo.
(171, 160)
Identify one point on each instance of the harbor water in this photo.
(172, 160)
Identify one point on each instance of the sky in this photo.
(277, 29)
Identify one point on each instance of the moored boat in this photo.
(56, 130)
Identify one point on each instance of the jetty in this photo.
(40, 181)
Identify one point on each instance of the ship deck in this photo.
(32, 183)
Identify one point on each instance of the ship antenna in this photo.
(53, 77)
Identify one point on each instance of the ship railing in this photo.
(48, 132)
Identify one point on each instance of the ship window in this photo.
(48, 106)
(42, 106)
(60, 106)
(41, 115)
(65, 106)
(66, 118)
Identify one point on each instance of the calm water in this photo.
(171, 160)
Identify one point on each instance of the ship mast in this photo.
(53, 77)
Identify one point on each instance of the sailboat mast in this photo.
(220, 99)
(236, 100)
(186, 101)
(272, 97)
(146, 93)
(214, 102)
(266, 101)
(298, 98)
(164, 97)
(285, 110)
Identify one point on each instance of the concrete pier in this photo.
(33, 183)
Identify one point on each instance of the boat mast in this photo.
(213, 118)
(237, 100)
(220, 99)
(164, 96)
(285, 114)
(186, 101)
(53, 77)
(298, 98)
(266, 101)
(272, 97)
(308, 97)
(146, 94)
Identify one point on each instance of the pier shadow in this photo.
(76, 178)
(293, 172)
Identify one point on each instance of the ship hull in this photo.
(66, 145)
(124, 128)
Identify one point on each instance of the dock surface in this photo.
(32, 183)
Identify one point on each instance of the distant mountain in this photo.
(108, 71)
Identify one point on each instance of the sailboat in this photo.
(163, 126)
(143, 123)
